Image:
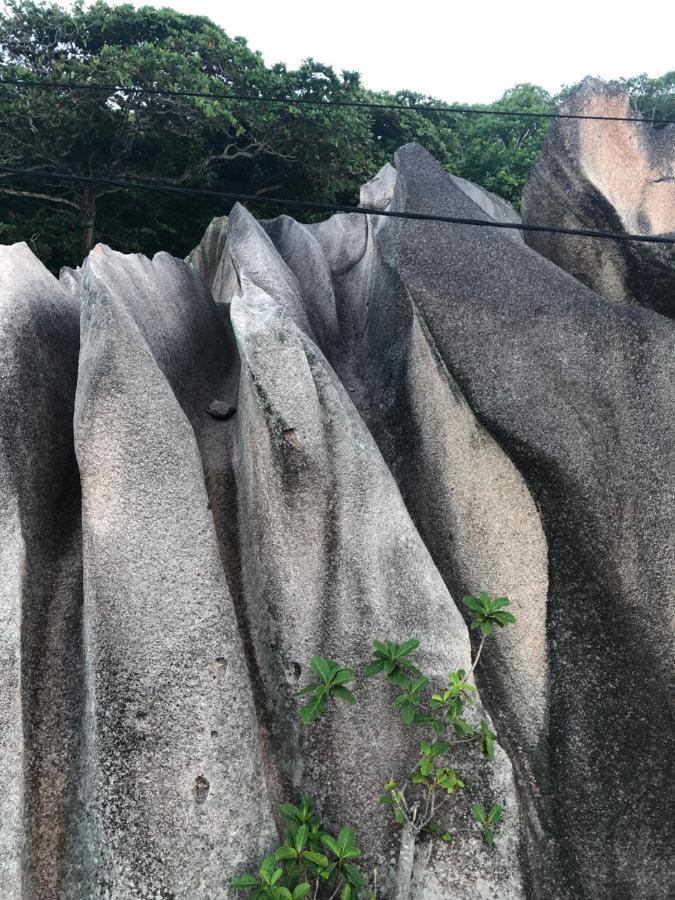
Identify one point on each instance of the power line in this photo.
(305, 101)
(334, 207)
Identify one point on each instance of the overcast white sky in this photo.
(470, 51)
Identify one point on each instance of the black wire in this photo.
(336, 207)
(358, 104)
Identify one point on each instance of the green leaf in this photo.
(399, 817)
(504, 618)
(343, 676)
(317, 858)
(309, 689)
(313, 708)
(374, 668)
(329, 841)
(244, 882)
(472, 603)
(418, 778)
(500, 602)
(282, 893)
(343, 693)
(300, 890)
(381, 648)
(490, 836)
(446, 837)
(398, 678)
(286, 853)
(386, 800)
(439, 748)
(495, 813)
(419, 684)
(267, 866)
(289, 812)
(485, 628)
(276, 875)
(408, 713)
(346, 892)
(487, 741)
(478, 812)
(307, 808)
(301, 837)
(426, 766)
(407, 647)
(354, 875)
(322, 668)
(346, 839)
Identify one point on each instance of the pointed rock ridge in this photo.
(175, 799)
(614, 176)
(467, 499)
(213, 263)
(578, 392)
(40, 577)
(267, 268)
(495, 206)
(378, 192)
(331, 560)
(301, 252)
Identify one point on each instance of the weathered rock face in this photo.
(615, 176)
(173, 784)
(422, 411)
(41, 658)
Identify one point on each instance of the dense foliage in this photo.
(302, 152)
(310, 858)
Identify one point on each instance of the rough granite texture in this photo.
(304, 438)
(611, 176)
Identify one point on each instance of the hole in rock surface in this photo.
(200, 789)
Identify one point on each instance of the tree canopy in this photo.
(320, 153)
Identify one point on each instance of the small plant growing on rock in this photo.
(310, 856)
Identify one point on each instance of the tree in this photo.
(189, 141)
(317, 152)
(497, 152)
(435, 131)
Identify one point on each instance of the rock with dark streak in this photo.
(607, 176)
(423, 411)
(41, 650)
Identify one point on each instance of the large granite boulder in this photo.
(471, 338)
(304, 438)
(41, 653)
(173, 784)
(578, 393)
(331, 560)
(611, 176)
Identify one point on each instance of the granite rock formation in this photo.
(302, 438)
(611, 176)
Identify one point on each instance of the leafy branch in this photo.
(310, 855)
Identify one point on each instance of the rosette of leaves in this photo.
(488, 612)
(333, 679)
(487, 820)
(308, 856)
